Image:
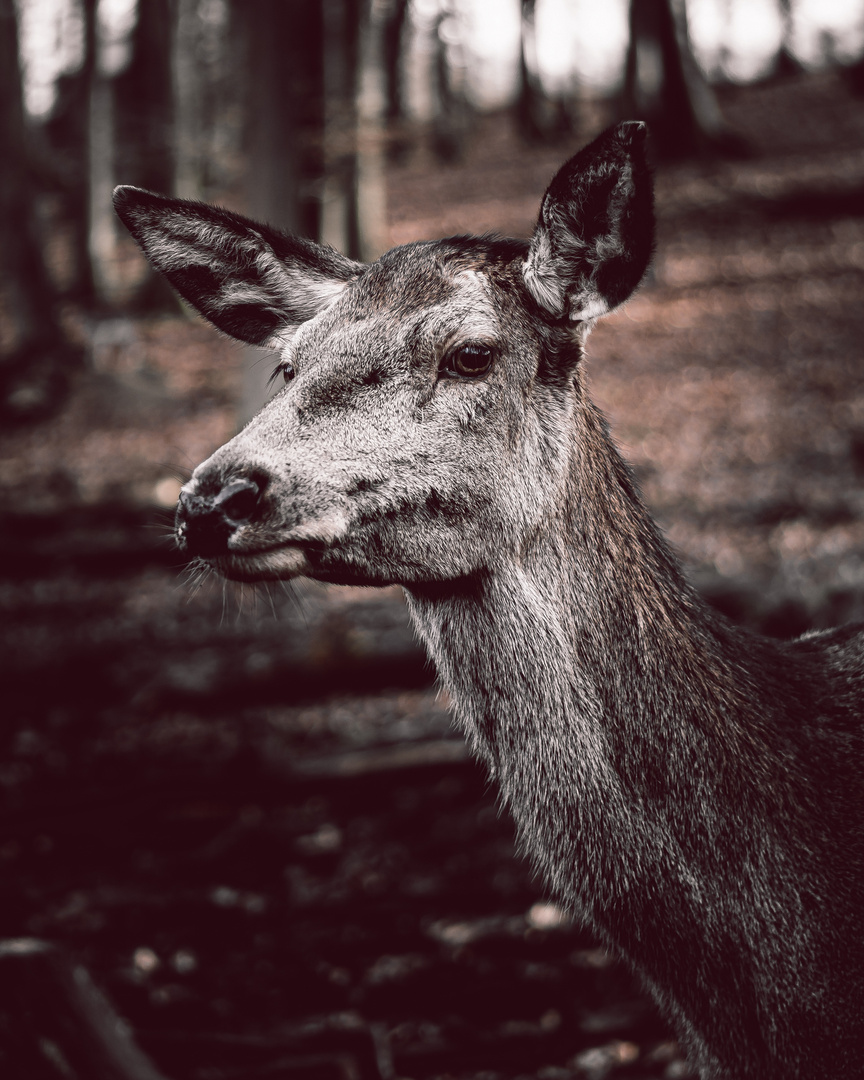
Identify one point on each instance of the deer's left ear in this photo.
(595, 235)
(251, 281)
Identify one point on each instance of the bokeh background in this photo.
(240, 820)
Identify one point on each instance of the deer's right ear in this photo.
(595, 235)
(252, 282)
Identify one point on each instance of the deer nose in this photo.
(206, 520)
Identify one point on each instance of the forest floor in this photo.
(247, 815)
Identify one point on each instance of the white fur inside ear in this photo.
(545, 280)
(315, 291)
(541, 276)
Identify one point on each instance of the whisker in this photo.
(195, 574)
(240, 593)
(224, 602)
(181, 473)
(269, 594)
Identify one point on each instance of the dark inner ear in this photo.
(595, 234)
(249, 321)
(625, 214)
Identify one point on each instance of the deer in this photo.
(691, 791)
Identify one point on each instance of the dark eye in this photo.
(469, 361)
(286, 369)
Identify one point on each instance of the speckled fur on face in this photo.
(371, 456)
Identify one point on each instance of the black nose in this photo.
(237, 501)
(206, 518)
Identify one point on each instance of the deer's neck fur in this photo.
(631, 730)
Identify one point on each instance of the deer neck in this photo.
(590, 677)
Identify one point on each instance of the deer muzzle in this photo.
(208, 518)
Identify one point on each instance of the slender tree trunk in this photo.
(101, 232)
(450, 125)
(786, 61)
(529, 108)
(371, 183)
(339, 126)
(665, 86)
(82, 208)
(26, 293)
(394, 34)
(188, 104)
(283, 42)
(143, 132)
(285, 108)
(145, 97)
(34, 358)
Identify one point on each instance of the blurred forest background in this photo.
(247, 816)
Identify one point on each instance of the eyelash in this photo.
(284, 368)
(480, 358)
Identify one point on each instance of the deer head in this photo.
(426, 421)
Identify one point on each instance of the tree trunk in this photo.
(145, 99)
(188, 103)
(100, 169)
(317, 105)
(101, 232)
(339, 69)
(34, 359)
(285, 111)
(142, 136)
(450, 124)
(371, 184)
(538, 117)
(665, 86)
(393, 34)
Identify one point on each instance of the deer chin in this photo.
(276, 564)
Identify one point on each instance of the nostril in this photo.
(211, 511)
(237, 501)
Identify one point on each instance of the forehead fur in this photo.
(414, 276)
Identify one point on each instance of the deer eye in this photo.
(286, 369)
(469, 361)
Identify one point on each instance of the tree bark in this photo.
(188, 106)
(27, 295)
(370, 193)
(536, 115)
(34, 358)
(284, 104)
(665, 86)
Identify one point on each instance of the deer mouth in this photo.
(274, 564)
